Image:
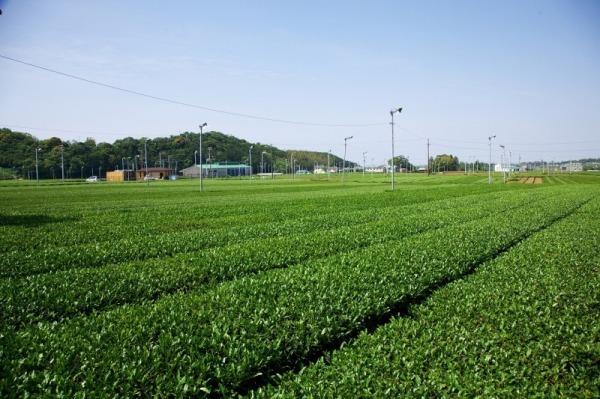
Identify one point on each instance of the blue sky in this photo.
(525, 71)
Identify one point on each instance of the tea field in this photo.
(283, 288)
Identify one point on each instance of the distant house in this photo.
(217, 170)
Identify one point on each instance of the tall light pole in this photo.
(202, 126)
(262, 162)
(392, 112)
(250, 158)
(490, 138)
(37, 172)
(364, 162)
(509, 162)
(62, 162)
(503, 162)
(328, 166)
(146, 162)
(344, 163)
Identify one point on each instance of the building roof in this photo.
(221, 166)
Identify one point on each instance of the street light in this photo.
(364, 162)
(202, 126)
(344, 163)
(490, 138)
(37, 174)
(392, 112)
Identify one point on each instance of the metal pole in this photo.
(344, 163)
(490, 161)
(262, 162)
(200, 154)
(393, 167)
(62, 162)
(428, 171)
(364, 163)
(328, 166)
(250, 157)
(392, 112)
(37, 174)
(146, 161)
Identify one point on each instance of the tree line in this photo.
(86, 158)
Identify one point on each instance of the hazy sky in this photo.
(527, 71)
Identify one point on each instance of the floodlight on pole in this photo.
(202, 126)
(344, 163)
(490, 138)
(392, 112)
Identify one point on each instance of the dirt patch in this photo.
(538, 180)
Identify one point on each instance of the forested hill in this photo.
(17, 153)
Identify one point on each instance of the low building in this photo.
(571, 167)
(217, 170)
(376, 169)
(505, 168)
(155, 173)
(120, 175)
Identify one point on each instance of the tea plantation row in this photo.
(221, 339)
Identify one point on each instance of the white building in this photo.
(376, 169)
(505, 168)
(571, 167)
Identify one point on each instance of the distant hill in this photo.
(17, 153)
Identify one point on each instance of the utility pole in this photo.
(364, 163)
(37, 172)
(509, 163)
(262, 162)
(202, 126)
(344, 164)
(490, 138)
(62, 162)
(392, 112)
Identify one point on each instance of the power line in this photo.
(185, 104)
